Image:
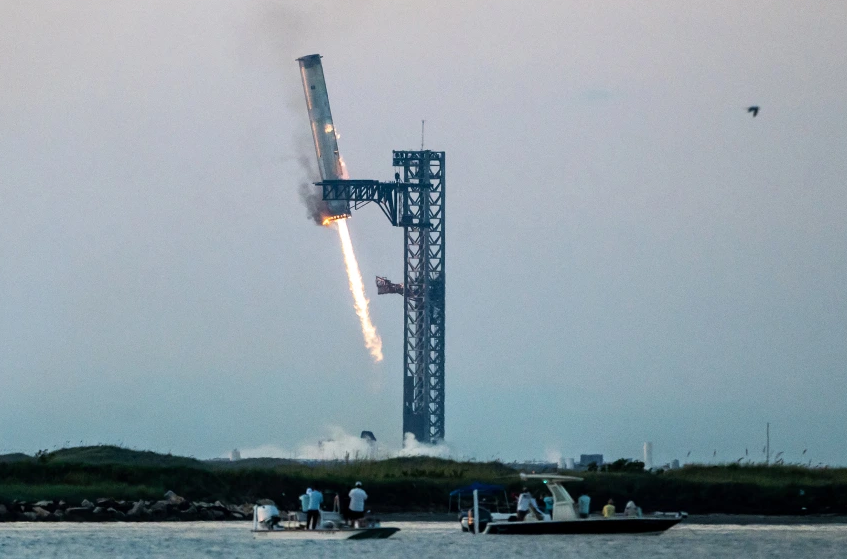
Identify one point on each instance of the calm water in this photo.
(417, 539)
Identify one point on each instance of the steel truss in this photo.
(415, 203)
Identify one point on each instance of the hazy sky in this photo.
(631, 256)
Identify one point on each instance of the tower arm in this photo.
(385, 194)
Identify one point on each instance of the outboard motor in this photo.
(484, 519)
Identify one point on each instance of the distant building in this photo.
(674, 464)
(368, 436)
(234, 455)
(569, 464)
(586, 460)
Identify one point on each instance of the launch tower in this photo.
(415, 202)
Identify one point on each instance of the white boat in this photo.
(564, 520)
(268, 524)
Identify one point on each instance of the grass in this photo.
(75, 494)
(409, 484)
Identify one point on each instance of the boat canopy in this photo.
(548, 477)
(484, 489)
(477, 486)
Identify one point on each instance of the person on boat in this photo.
(630, 509)
(609, 509)
(313, 515)
(304, 500)
(357, 503)
(537, 510)
(548, 505)
(583, 504)
(524, 503)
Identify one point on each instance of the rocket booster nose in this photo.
(309, 60)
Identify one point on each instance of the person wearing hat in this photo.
(357, 503)
(304, 500)
(524, 502)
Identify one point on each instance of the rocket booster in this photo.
(323, 131)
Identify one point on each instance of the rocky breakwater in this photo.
(171, 508)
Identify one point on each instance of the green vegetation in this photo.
(409, 484)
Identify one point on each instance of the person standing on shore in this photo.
(313, 515)
(357, 504)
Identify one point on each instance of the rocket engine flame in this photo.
(357, 287)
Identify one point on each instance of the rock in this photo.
(62, 505)
(265, 502)
(190, 512)
(137, 509)
(237, 516)
(159, 508)
(218, 514)
(29, 516)
(123, 506)
(40, 512)
(77, 510)
(78, 513)
(173, 498)
(107, 503)
(206, 514)
(4, 512)
(115, 513)
(98, 511)
(43, 504)
(60, 515)
(86, 504)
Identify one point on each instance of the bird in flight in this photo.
(754, 109)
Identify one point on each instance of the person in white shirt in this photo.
(357, 503)
(313, 515)
(631, 509)
(304, 500)
(524, 502)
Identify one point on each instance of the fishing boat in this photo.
(269, 524)
(564, 520)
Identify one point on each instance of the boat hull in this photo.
(354, 534)
(586, 526)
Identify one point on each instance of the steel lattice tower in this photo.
(415, 202)
(422, 219)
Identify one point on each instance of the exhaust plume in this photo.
(357, 287)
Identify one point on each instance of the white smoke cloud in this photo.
(340, 445)
(411, 447)
(266, 451)
(553, 455)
